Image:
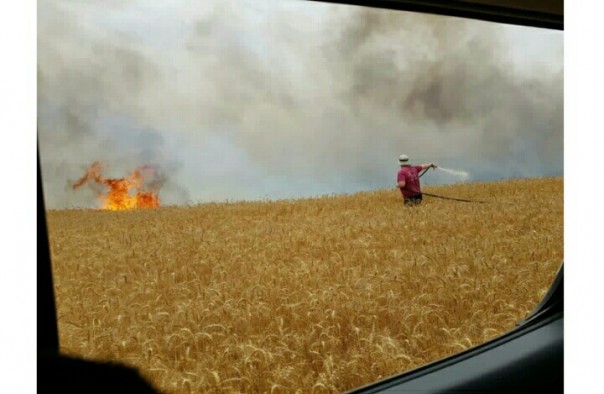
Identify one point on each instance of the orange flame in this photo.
(123, 193)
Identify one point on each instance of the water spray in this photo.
(464, 175)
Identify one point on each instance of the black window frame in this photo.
(529, 358)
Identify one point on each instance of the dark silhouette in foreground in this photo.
(66, 374)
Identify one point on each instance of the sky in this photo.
(239, 100)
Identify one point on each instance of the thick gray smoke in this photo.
(451, 93)
(80, 74)
(317, 97)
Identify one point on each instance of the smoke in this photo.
(81, 73)
(312, 94)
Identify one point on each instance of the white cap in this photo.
(403, 159)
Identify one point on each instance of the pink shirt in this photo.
(410, 174)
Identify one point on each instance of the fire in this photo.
(132, 192)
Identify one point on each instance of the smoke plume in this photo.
(317, 97)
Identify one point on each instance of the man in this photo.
(408, 180)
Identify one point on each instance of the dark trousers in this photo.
(414, 200)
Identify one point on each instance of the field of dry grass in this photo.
(314, 295)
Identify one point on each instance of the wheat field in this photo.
(311, 295)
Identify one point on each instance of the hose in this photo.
(448, 198)
(455, 199)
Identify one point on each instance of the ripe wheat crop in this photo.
(310, 295)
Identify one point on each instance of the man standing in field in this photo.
(408, 180)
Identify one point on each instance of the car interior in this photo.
(530, 358)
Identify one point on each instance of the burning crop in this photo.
(140, 189)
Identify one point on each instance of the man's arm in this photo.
(400, 179)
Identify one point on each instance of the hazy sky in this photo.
(280, 99)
